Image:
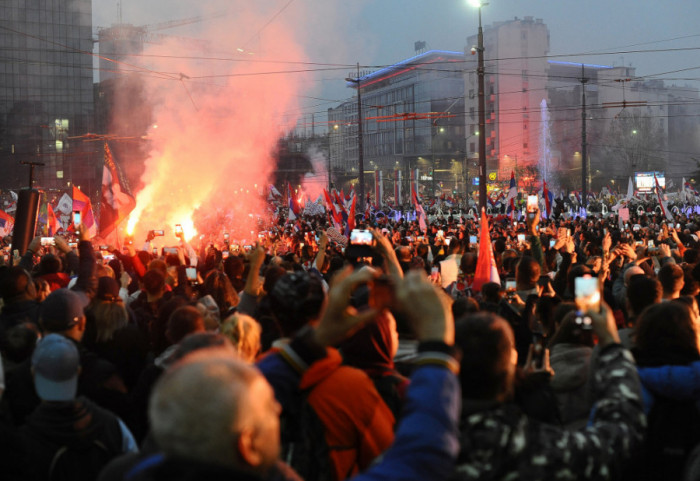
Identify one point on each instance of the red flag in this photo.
(7, 223)
(117, 201)
(547, 200)
(351, 215)
(486, 270)
(81, 202)
(52, 221)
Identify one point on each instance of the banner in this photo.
(116, 202)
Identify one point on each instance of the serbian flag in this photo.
(512, 194)
(52, 221)
(351, 215)
(7, 222)
(294, 209)
(117, 201)
(335, 215)
(81, 203)
(486, 270)
(420, 213)
(662, 201)
(548, 198)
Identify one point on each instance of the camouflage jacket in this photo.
(498, 441)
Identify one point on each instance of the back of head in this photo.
(487, 366)
(154, 282)
(233, 267)
(49, 264)
(62, 310)
(183, 321)
(196, 409)
(16, 285)
(296, 299)
(490, 292)
(666, 334)
(570, 332)
(218, 285)
(671, 278)
(244, 333)
(463, 306)
(55, 366)
(19, 343)
(642, 292)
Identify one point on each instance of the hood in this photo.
(570, 364)
(65, 423)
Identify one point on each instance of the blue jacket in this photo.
(675, 382)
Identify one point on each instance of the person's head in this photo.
(183, 321)
(218, 285)
(491, 292)
(667, 333)
(630, 272)
(527, 273)
(55, 368)
(19, 343)
(234, 267)
(296, 300)
(374, 345)
(63, 312)
(218, 410)
(244, 333)
(468, 263)
(463, 306)
(642, 292)
(49, 264)
(489, 357)
(671, 278)
(570, 332)
(154, 283)
(108, 309)
(16, 285)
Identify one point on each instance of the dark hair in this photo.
(16, 284)
(486, 342)
(570, 332)
(295, 300)
(19, 342)
(463, 306)
(154, 282)
(49, 264)
(527, 271)
(183, 321)
(642, 292)
(196, 341)
(671, 277)
(218, 285)
(666, 334)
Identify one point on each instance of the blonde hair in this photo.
(244, 333)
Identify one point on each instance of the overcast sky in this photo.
(381, 32)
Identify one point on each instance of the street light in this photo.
(482, 107)
(361, 158)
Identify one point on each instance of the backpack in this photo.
(76, 463)
(304, 445)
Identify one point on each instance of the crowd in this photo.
(381, 355)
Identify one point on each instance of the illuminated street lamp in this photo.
(482, 106)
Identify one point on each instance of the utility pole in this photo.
(482, 117)
(584, 169)
(360, 147)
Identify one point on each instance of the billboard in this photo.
(644, 181)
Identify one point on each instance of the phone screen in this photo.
(472, 239)
(191, 273)
(76, 218)
(587, 294)
(361, 237)
(521, 237)
(47, 241)
(178, 229)
(531, 202)
(510, 288)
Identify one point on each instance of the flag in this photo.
(81, 203)
(548, 199)
(486, 270)
(512, 194)
(52, 221)
(662, 201)
(420, 213)
(335, 215)
(294, 210)
(274, 193)
(7, 222)
(65, 204)
(351, 215)
(116, 202)
(12, 205)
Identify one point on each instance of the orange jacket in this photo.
(359, 425)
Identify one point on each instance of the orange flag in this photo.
(486, 270)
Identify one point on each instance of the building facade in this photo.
(412, 117)
(46, 93)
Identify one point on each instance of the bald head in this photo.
(632, 271)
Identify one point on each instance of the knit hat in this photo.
(56, 364)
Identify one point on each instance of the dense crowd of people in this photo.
(378, 355)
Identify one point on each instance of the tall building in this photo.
(412, 115)
(46, 93)
(515, 85)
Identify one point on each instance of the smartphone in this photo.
(191, 273)
(678, 226)
(107, 257)
(225, 254)
(521, 237)
(434, 273)
(104, 248)
(472, 239)
(158, 233)
(510, 288)
(170, 250)
(587, 294)
(76, 218)
(552, 242)
(605, 231)
(155, 251)
(359, 237)
(650, 244)
(72, 245)
(447, 241)
(531, 203)
(250, 248)
(47, 241)
(178, 229)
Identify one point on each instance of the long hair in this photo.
(666, 334)
(110, 316)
